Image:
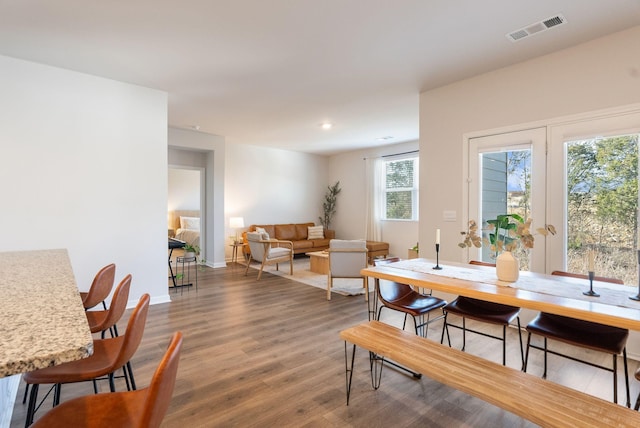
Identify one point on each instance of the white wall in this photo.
(183, 192)
(270, 186)
(84, 167)
(197, 149)
(601, 74)
(349, 222)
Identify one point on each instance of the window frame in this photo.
(414, 157)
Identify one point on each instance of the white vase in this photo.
(507, 267)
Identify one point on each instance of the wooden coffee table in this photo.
(319, 262)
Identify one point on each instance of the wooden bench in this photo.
(530, 397)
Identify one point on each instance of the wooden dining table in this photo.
(539, 292)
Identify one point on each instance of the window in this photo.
(401, 189)
(594, 167)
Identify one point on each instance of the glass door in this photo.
(594, 179)
(507, 176)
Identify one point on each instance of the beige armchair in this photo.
(346, 259)
(269, 251)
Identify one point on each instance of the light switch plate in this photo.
(448, 215)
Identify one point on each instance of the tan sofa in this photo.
(296, 233)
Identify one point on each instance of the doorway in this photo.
(185, 205)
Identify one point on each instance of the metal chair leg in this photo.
(615, 379)
(31, 408)
(544, 375)
(526, 355)
(348, 369)
(133, 381)
(626, 375)
(464, 333)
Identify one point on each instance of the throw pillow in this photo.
(315, 232)
(190, 223)
(265, 235)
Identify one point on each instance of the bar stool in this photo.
(100, 287)
(101, 321)
(108, 356)
(142, 408)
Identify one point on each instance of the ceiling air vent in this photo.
(536, 27)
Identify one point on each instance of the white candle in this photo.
(591, 257)
(438, 236)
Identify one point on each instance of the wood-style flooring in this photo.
(267, 353)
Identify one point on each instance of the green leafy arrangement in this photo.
(506, 233)
(188, 248)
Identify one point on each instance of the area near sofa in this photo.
(297, 233)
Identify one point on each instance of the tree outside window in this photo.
(401, 189)
(602, 205)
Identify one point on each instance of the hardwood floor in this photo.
(267, 353)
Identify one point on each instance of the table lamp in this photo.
(236, 223)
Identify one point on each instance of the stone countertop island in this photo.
(42, 320)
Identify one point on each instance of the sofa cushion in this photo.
(301, 230)
(268, 228)
(324, 243)
(286, 232)
(262, 231)
(301, 245)
(315, 232)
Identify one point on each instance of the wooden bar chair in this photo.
(142, 408)
(582, 334)
(100, 287)
(486, 312)
(108, 356)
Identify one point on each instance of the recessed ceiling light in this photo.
(327, 125)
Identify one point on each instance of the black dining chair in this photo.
(403, 298)
(582, 334)
(486, 312)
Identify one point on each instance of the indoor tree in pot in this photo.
(329, 204)
(507, 232)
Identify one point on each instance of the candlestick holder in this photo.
(637, 296)
(591, 292)
(437, 266)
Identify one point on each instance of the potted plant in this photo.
(507, 233)
(190, 251)
(329, 204)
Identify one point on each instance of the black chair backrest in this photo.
(390, 291)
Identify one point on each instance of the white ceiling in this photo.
(269, 72)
